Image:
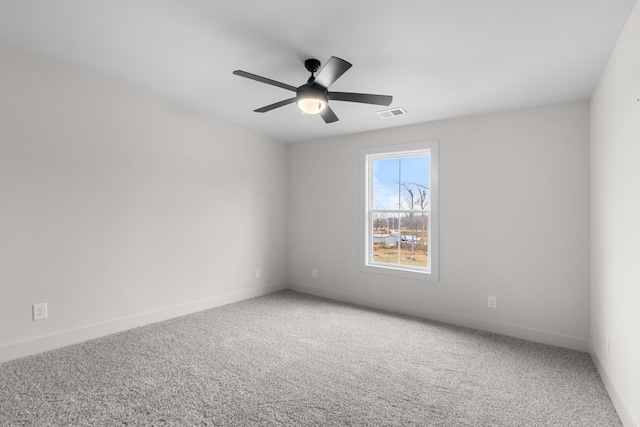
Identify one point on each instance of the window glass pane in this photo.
(414, 182)
(386, 175)
(385, 238)
(413, 242)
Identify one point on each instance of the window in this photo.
(400, 210)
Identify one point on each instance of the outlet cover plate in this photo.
(492, 302)
(40, 311)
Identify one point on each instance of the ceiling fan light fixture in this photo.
(311, 101)
(311, 105)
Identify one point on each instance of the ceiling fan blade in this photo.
(332, 70)
(264, 80)
(365, 98)
(328, 115)
(276, 105)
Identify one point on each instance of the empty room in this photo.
(364, 213)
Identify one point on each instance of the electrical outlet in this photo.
(257, 273)
(314, 273)
(40, 311)
(492, 302)
(608, 345)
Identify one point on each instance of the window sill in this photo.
(387, 270)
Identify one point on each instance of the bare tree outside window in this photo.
(416, 197)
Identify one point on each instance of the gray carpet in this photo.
(295, 360)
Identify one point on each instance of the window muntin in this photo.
(400, 210)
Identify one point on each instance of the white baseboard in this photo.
(83, 333)
(614, 394)
(516, 331)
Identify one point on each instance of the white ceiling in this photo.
(438, 58)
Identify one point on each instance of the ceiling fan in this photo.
(313, 97)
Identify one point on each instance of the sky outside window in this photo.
(389, 174)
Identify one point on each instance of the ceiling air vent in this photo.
(385, 114)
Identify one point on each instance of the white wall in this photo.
(615, 225)
(514, 212)
(117, 209)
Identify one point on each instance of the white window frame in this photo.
(367, 156)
